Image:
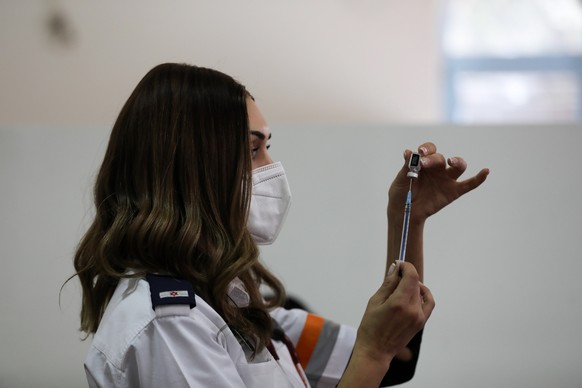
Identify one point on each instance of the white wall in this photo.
(503, 262)
(325, 61)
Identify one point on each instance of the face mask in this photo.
(270, 201)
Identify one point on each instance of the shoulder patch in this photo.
(167, 290)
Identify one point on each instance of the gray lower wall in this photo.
(503, 262)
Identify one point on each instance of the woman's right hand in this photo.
(395, 313)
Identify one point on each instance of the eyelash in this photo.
(256, 149)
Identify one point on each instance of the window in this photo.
(513, 60)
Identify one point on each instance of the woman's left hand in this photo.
(436, 187)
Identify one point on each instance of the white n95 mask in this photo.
(270, 201)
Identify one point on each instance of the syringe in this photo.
(404, 238)
(414, 168)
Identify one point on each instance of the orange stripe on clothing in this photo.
(308, 339)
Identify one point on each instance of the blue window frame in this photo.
(494, 72)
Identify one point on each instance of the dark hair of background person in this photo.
(172, 197)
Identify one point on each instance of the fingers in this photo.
(427, 148)
(404, 297)
(430, 159)
(409, 282)
(418, 295)
(433, 161)
(453, 166)
(401, 279)
(457, 167)
(474, 182)
(427, 300)
(424, 149)
(412, 289)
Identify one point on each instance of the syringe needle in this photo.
(404, 238)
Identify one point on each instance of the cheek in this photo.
(262, 158)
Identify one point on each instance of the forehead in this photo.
(257, 122)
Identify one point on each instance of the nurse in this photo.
(170, 269)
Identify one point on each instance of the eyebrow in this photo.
(261, 135)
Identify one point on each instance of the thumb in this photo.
(390, 281)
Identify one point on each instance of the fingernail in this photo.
(391, 269)
(452, 161)
(423, 150)
(425, 162)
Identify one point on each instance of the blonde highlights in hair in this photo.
(172, 197)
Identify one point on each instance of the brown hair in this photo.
(172, 197)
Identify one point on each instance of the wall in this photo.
(503, 262)
(327, 61)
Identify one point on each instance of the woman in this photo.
(170, 270)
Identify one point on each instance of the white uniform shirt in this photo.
(179, 346)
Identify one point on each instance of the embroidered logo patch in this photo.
(173, 294)
(167, 290)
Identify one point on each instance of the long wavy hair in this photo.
(172, 197)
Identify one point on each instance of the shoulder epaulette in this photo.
(167, 290)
